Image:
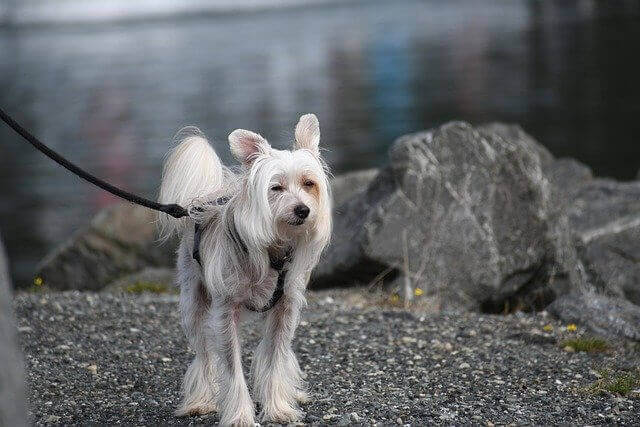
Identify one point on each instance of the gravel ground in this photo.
(106, 358)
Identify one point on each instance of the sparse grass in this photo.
(37, 289)
(625, 383)
(586, 344)
(384, 300)
(141, 287)
(37, 285)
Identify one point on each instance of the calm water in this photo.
(111, 96)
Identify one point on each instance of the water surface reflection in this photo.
(111, 96)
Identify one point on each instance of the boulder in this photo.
(604, 206)
(464, 213)
(604, 315)
(567, 178)
(348, 185)
(605, 216)
(566, 175)
(12, 393)
(120, 240)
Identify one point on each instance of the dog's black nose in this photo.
(301, 211)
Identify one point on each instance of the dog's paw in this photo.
(193, 410)
(284, 414)
(302, 396)
(244, 419)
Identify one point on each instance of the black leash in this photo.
(174, 210)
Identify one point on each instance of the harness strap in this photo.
(277, 294)
(276, 263)
(197, 235)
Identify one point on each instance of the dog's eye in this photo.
(277, 187)
(308, 183)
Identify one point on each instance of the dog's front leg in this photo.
(276, 374)
(234, 402)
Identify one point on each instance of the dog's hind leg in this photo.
(277, 377)
(198, 387)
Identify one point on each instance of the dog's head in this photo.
(284, 193)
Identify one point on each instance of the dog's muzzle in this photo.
(301, 212)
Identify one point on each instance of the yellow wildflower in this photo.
(395, 297)
(571, 327)
(38, 281)
(547, 328)
(417, 292)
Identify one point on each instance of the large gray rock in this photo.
(348, 185)
(119, 241)
(602, 314)
(566, 175)
(12, 395)
(605, 216)
(466, 214)
(604, 206)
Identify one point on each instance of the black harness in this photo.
(278, 264)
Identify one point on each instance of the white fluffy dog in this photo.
(249, 244)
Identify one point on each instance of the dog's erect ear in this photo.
(308, 133)
(246, 145)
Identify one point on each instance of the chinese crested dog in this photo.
(249, 244)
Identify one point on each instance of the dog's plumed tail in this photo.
(191, 170)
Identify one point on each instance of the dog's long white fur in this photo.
(261, 213)
(192, 169)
